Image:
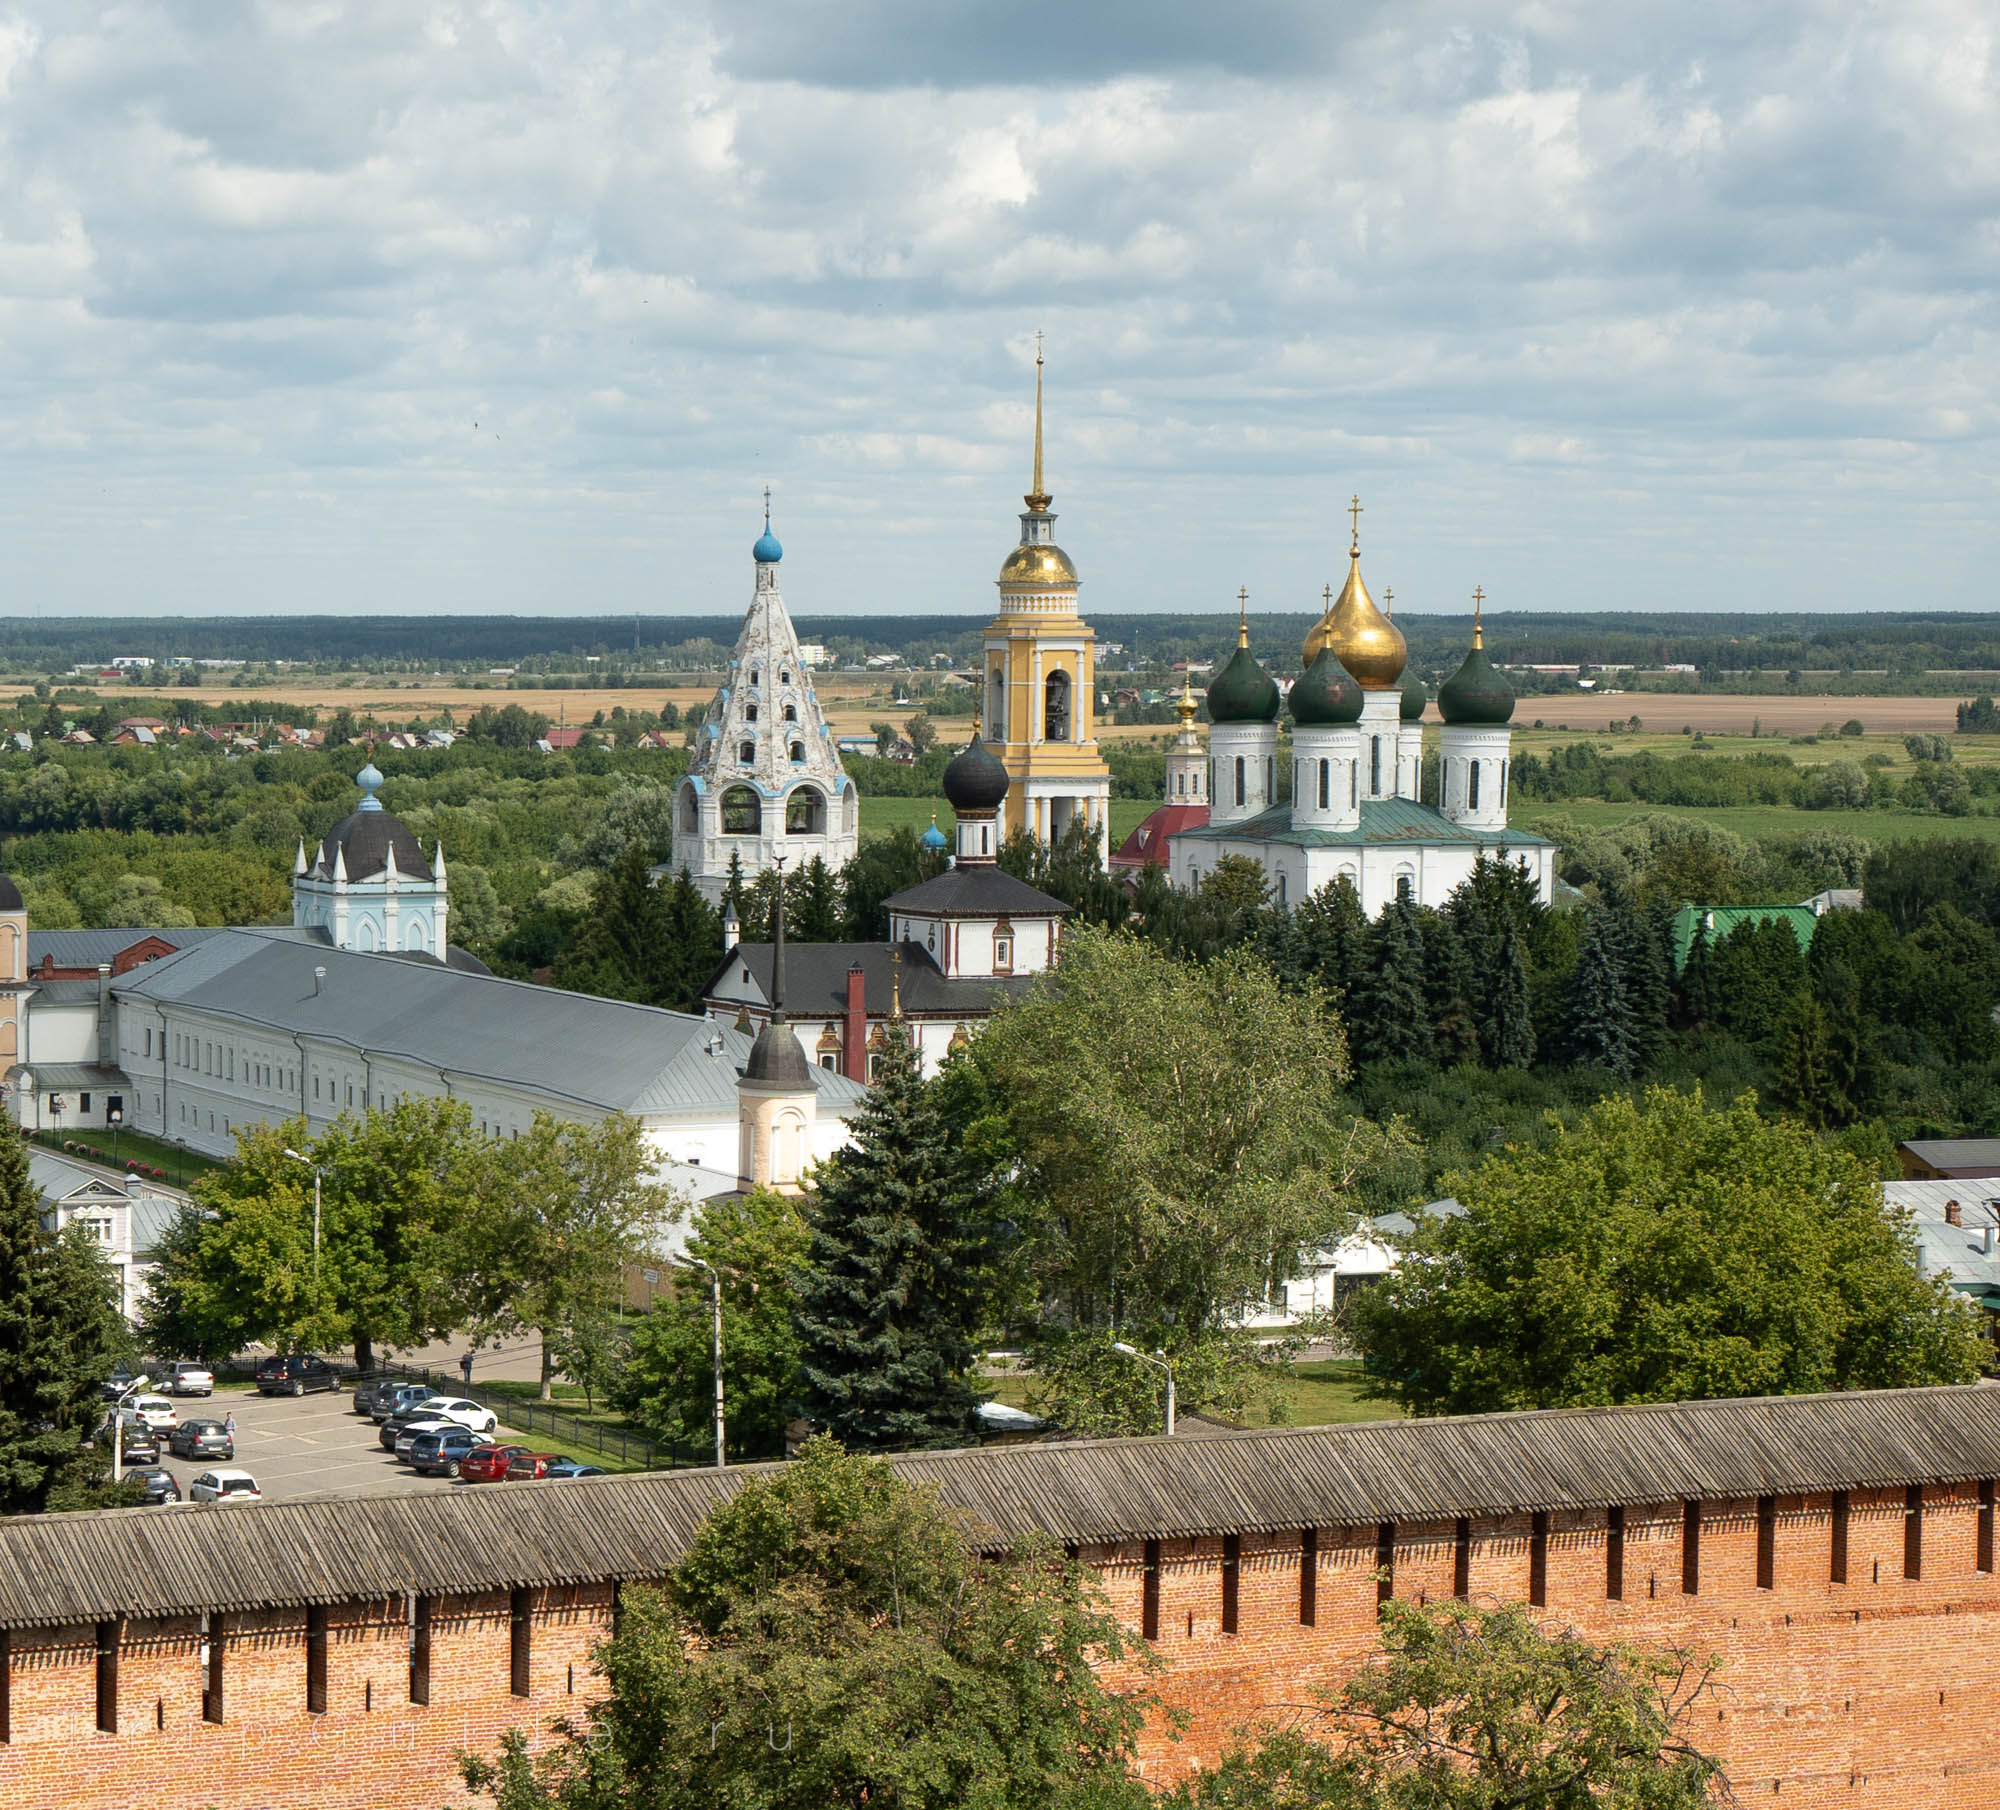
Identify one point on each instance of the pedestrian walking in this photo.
(465, 1368)
(229, 1425)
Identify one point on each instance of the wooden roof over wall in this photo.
(63, 1570)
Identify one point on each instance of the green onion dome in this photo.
(1326, 693)
(1476, 695)
(1415, 699)
(1243, 692)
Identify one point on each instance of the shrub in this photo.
(1852, 727)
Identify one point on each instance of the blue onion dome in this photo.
(934, 838)
(1326, 694)
(767, 551)
(1243, 692)
(975, 780)
(1415, 699)
(1476, 695)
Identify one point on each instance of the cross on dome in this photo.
(1354, 511)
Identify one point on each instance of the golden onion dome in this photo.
(1364, 640)
(1037, 564)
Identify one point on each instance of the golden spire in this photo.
(1389, 603)
(1242, 615)
(1185, 703)
(1038, 499)
(1478, 616)
(896, 985)
(1364, 640)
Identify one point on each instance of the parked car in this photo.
(378, 1389)
(411, 1431)
(295, 1375)
(138, 1443)
(529, 1467)
(488, 1463)
(188, 1379)
(117, 1382)
(155, 1410)
(161, 1485)
(225, 1486)
(201, 1439)
(391, 1402)
(453, 1408)
(440, 1454)
(570, 1467)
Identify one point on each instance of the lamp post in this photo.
(318, 1176)
(1158, 1361)
(118, 1428)
(715, 1289)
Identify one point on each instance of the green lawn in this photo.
(1326, 1394)
(1771, 820)
(883, 816)
(182, 1166)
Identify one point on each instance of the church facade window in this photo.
(1472, 785)
(1003, 947)
(1325, 783)
(1374, 764)
(1056, 712)
(791, 713)
(1239, 779)
(749, 713)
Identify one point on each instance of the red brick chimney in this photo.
(854, 1044)
(1952, 1215)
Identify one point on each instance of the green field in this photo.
(884, 816)
(1770, 820)
(1324, 1394)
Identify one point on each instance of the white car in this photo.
(225, 1486)
(155, 1410)
(189, 1379)
(468, 1414)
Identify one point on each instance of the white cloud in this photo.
(1544, 282)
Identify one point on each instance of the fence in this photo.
(534, 1416)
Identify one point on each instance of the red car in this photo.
(531, 1467)
(488, 1463)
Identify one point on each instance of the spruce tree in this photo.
(1805, 1065)
(895, 1286)
(613, 952)
(1333, 933)
(60, 1335)
(1597, 1011)
(1448, 990)
(1388, 1019)
(1696, 990)
(688, 946)
(1648, 985)
(1507, 1025)
(814, 910)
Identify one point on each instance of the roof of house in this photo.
(83, 1567)
(1382, 820)
(816, 981)
(1956, 1156)
(93, 948)
(976, 889)
(76, 1074)
(1148, 843)
(1959, 1249)
(601, 1053)
(1722, 919)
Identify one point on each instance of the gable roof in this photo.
(1801, 920)
(597, 1053)
(1148, 843)
(816, 981)
(66, 1569)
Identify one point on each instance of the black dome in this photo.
(1243, 692)
(975, 780)
(366, 838)
(10, 895)
(777, 1060)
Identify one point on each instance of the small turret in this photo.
(1474, 755)
(1243, 733)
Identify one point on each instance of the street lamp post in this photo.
(715, 1289)
(1158, 1361)
(118, 1427)
(318, 1175)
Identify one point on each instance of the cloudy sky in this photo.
(417, 305)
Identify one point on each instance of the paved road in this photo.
(313, 1445)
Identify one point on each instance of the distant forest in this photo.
(1860, 653)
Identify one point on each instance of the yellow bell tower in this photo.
(1041, 681)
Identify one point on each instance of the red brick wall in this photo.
(1864, 1694)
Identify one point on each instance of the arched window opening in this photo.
(1374, 765)
(1472, 785)
(690, 810)
(1282, 891)
(1180, 785)
(755, 675)
(1055, 715)
(799, 752)
(746, 752)
(1239, 779)
(1325, 783)
(1406, 883)
(1353, 786)
(749, 713)
(805, 812)
(1504, 765)
(784, 675)
(996, 706)
(791, 713)
(742, 812)
(1270, 779)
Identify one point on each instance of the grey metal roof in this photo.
(1382, 820)
(90, 948)
(976, 890)
(601, 1053)
(77, 1074)
(65, 992)
(1960, 1248)
(58, 1570)
(1972, 1157)
(55, 1179)
(816, 981)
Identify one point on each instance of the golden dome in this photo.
(1364, 640)
(1037, 565)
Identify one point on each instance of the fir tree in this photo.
(1388, 1019)
(1648, 985)
(1506, 1025)
(1333, 936)
(895, 1286)
(1597, 1010)
(1805, 1078)
(613, 952)
(688, 948)
(1448, 989)
(1696, 990)
(814, 911)
(60, 1334)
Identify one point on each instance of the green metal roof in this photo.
(1722, 919)
(1382, 820)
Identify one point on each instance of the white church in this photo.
(1356, 810)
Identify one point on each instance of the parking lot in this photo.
(310, 1445)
